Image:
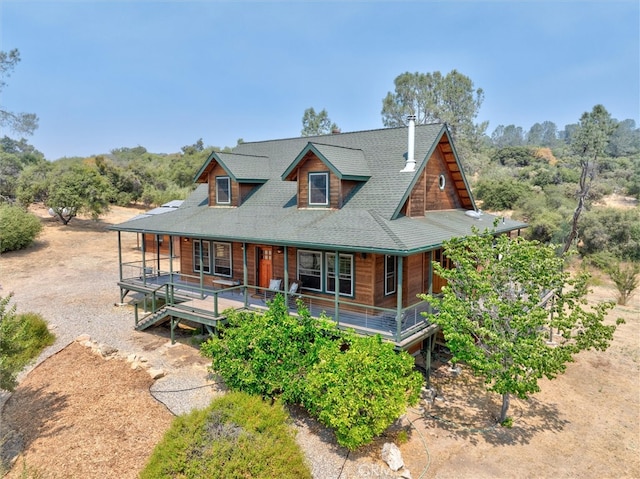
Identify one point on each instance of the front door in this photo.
(265, 266)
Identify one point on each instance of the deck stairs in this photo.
(160, 316)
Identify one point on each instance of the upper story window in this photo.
(223, 190)
(318, 189)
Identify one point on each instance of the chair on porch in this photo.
(273, 289)
(293, 294)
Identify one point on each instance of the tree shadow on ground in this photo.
(29, 413)
(463, 407)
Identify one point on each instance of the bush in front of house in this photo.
(22, 338)
(355, 385)
(359, 390)
(18, 228)
(238, 435)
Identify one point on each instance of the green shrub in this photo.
(238, 435)
(501, 194)
(267, 354)
(360, 390)
(611, 230)
(22, 338)
(18, 228)
(356, 386)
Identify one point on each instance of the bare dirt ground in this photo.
(80, 415)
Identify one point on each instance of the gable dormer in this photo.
(232, 178)
(326, 175)
(440, 184)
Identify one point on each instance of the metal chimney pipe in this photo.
(411, 162)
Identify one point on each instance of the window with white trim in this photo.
(223, 190)
(390, 274)
(310, 269)
(345, 273)
(222, 259)
(205, 247)
(318, 189)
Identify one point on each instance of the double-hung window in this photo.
(223, 190)
(390, 275)
(345, 273)
(318, 189)
(202, 251)
(310, 269)
(222, 259)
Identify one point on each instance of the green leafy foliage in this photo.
(238, 435)
(500, 194)
(434, 97)
(613, 230)
(25, 123)
(317, 123)
(626, 279)
(267, 354)
(357, 386)
(22, 338)
(625, 275)
(18, 228)
(503, 300)
(80, 188)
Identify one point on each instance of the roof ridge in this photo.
(329, 135)
(336, 146)
(239, 154)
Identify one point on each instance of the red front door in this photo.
(265, 266)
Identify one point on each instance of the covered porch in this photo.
(167, 295)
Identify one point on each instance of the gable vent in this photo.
(411, 162)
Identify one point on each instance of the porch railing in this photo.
(364, 319)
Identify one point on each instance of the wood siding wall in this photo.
(437, 199)
(312, 164)
(427, 195)
(236, 196)
(150, 244)
(369, 274)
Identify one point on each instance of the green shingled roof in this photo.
(345, 163)
(240, 168)
(364, 223)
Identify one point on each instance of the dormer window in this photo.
(223, 190)
(318, 189)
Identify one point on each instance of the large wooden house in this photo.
(349, 223)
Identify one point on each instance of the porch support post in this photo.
(427, 358)
(120, 254)
(202, 267)
(158, 253)
(245, 274)
(430, 273)
(173, 328)
(144, 261)
(336, 271)
(286, 276)
(399, 299)
(122, 293)
(170, 291)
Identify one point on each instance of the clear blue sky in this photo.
(108, 74)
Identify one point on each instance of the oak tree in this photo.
(434, 97)
(588, 142)
(25, 123)
(314, 124)
(503, 297)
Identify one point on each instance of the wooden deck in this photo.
(206, 305)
